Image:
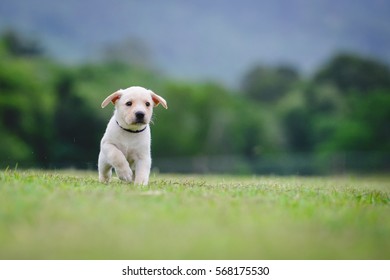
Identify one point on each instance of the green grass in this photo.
(70, 215)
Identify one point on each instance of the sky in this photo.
(206, 40)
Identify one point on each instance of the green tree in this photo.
(19, 46)
(25, 103)
(365, 126)
(269, 84)
(350, 105)
(349, 72)
(206, 119)
(77, 129)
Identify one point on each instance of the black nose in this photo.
(139, 115)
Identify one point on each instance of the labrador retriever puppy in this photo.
(125, 145)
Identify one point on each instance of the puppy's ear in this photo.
(112, 98)
(158, 100)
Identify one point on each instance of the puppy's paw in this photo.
(104, 180)
(105, 177)
(141, 180)
(126, 176)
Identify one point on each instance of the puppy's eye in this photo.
(147, 104)
(129, 103)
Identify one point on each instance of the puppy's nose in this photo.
(139, 115)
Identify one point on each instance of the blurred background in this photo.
(253, 87)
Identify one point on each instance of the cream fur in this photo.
(128, 153)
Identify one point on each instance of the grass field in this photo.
(70, 215)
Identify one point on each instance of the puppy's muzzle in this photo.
(140, 117)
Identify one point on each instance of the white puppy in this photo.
(125, 145)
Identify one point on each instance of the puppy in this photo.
(125, 145)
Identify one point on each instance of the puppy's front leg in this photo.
(117, 159)
(142, 171)
(104, 168)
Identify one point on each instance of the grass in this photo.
(70, 215)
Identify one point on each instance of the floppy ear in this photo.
(112, 98)
(158, 100)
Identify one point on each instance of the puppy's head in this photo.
(134, 105)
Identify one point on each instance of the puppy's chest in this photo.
(134, 147)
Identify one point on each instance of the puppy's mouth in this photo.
(139, 122)
(132, 121)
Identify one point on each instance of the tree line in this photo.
(50, 113)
